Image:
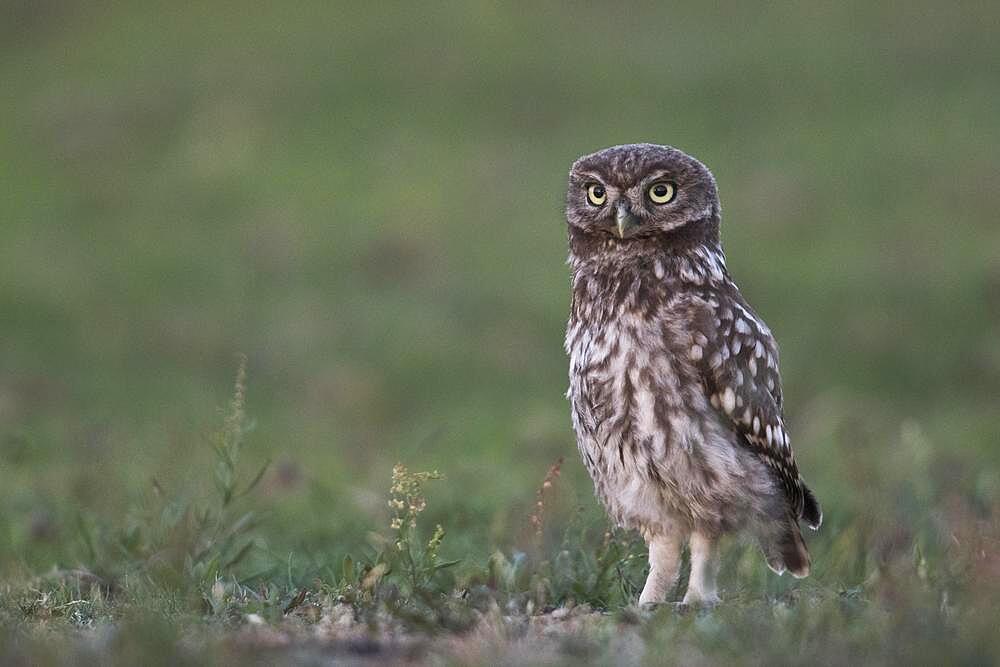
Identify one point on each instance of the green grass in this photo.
(365, 201)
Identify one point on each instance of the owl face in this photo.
(639, 191)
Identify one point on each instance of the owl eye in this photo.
(596, 194)
(661, 193)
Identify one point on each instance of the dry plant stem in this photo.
(537, 517)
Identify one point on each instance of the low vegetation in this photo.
(197, 577)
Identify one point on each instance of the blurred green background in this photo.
(366, 201)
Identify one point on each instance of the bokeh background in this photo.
(366, 201)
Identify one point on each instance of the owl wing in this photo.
(738, 361)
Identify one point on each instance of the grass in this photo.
(367, 203)
(196, 581)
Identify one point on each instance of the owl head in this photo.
(627, 194)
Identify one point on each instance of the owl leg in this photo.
(704, 568)
(664, 566)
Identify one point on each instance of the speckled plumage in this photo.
(674, 384)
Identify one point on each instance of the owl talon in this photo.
(650, 608)
(707, 602)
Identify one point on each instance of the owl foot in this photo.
(701, 601)
(648, 609)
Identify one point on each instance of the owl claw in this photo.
(706, 602)
(653, 607)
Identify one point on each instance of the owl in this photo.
(674, 386)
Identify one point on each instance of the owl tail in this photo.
(786, 550)
(811, 511)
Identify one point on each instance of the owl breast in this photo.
(657, 451)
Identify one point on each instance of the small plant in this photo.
(598, 569)
(419, 560)
(405, 576)
(180, 544)
(538, 515)
(222, 536)
(228, 442)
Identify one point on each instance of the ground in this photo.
(366, 203)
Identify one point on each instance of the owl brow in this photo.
(657, 175)
(591, 176)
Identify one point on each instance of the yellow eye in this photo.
(596, 194)
(661, 193)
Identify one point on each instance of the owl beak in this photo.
(626, 222)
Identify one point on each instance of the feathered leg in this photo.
(664, 566)
(704, 568)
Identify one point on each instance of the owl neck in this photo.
(693, 245)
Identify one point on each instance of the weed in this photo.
(177, 543)
(537, 516)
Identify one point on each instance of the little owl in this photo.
(674, 385)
